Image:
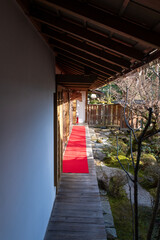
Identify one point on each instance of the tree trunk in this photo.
(136, 207)
(155, 210)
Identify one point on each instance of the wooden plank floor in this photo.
(77, 212)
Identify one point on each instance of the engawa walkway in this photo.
(77, 213)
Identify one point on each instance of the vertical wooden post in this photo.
(121, 118)
(55, 141)
(109, 115)
(103, 115)
(99, 114)
(86, 110)
(61, 131)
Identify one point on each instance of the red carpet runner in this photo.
(75, 157)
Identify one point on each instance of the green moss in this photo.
(149, 179)
(147, 159)
(112, 161)
(148, 174)
(122, 215)
(99, 140)
(147, 171)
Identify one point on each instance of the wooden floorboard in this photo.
(77, 212)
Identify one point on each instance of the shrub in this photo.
(150, 178)
(147, 160)
(116, 186)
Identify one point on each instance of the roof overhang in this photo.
(105, 39)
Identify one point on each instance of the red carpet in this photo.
(75, 157)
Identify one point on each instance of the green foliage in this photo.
(148, 164)
(94, 101)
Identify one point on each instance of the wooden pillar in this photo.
(55, 142)
(86, 108)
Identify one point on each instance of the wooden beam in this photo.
(110, 67)
(80, 32)
(83, 46)
(83, 61)
(65, 59)
(80, 79)
(123, 7)
(108, 21)
(70, 63)
(67, 66)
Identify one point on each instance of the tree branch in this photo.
(121, 163)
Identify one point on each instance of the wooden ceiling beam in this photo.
(123, 7)
(85, 34)
(70, 67)
(69, 61)
(83, 46)
(112, 69)
(74, 65)
(83, 61)
(76, 79)
(103, 19)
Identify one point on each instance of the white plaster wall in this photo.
(81, 108)
(27, 84)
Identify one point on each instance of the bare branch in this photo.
(147, 125)
(152, 134)
(129, 125)
(121, 163)
(131, 149)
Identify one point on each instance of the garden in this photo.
(128, 159)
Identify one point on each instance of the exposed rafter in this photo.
(123, 7)
(83, 46)
(112, 69)
(88, 38)
(83, 33)
(67, 58)
(66, 65)
(106, 20)
(83, 60)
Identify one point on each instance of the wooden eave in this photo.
(97, 38)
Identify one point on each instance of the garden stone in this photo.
(144, 197)
(99, 145)
(104, 174)
(111, 233)
(98, 154)
(108, 218)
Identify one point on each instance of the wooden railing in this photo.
(109, 115)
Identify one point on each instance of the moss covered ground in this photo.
(149, 164)
(148, 178)
(122, 215)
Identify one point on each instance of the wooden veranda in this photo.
(77, 212)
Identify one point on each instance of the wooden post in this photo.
(55, 141)
(103, 115)
(99, 114)
(109, 115)
(86, 110)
